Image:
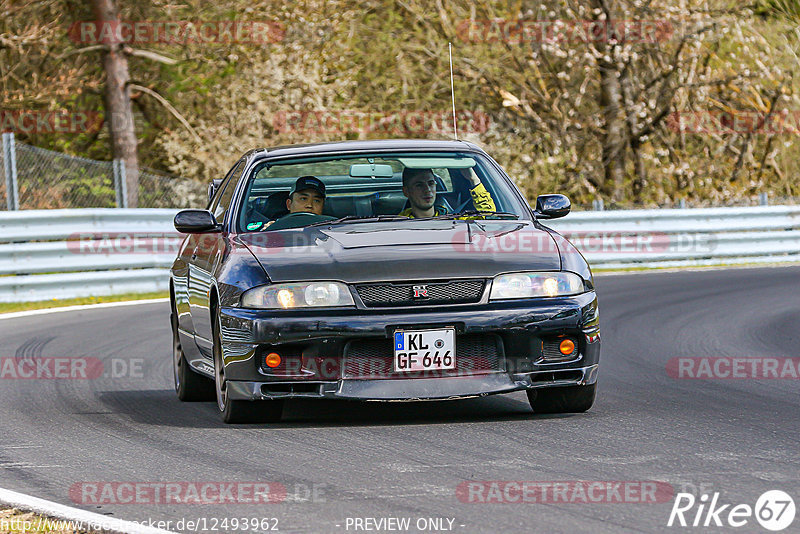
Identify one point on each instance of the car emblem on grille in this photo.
(420, 292)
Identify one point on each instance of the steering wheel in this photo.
(299, 213)
(297, 220)
(462, 206)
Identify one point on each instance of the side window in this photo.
(218, 193)
(223, 200)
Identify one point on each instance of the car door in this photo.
(204, 260)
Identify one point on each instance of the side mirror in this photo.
(196, 222)
(212, 188)
(552, 206)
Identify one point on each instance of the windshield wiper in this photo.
(361, 218)
(475, 213)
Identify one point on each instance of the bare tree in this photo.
(610, 102)
(118, 99)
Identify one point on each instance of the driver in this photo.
(419, 186)
(307, 197)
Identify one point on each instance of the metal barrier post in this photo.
(10, 169)
(120, 185)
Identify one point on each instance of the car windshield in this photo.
(376, 188)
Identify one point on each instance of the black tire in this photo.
(189, 385)
(239, 411)
(569, 399)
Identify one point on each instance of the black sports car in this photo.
(381, 271)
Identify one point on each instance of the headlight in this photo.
(298, 295)
(528, 285)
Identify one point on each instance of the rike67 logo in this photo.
(774, 510)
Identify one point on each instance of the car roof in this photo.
(363, 146)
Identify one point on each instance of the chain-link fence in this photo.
(47, 180)
(158, 190)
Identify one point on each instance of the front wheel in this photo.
(569, 399)
(189, 385)
(239, 411)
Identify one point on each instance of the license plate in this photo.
(424, 350)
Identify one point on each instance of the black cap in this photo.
(309, 182)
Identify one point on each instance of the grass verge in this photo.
(612, 270)
(13, 521)
(8, 307)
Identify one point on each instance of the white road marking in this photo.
(44, 311)
(67, 513)
(24, 465)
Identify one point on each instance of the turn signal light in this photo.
(273, 359)
(567, 347)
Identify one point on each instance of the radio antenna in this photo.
(452, 90)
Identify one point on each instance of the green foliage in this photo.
(9, 307)
(778, 8)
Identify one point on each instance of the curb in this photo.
(691, 268)
(43, 311)
(93, 522)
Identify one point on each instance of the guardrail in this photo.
(46, 254)
(684, 237)
(59, 254)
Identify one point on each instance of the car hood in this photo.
(403, 250)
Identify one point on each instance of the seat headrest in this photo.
(275, 205)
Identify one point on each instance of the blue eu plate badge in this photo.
(398, 341)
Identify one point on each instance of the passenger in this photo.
(419, 186)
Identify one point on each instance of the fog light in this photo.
(273, 359)
(567, 347)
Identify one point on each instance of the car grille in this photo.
(374, 358)
(402, 294)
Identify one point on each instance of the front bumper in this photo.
(320, 340)
(414, 389)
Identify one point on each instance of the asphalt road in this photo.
(736, 437)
